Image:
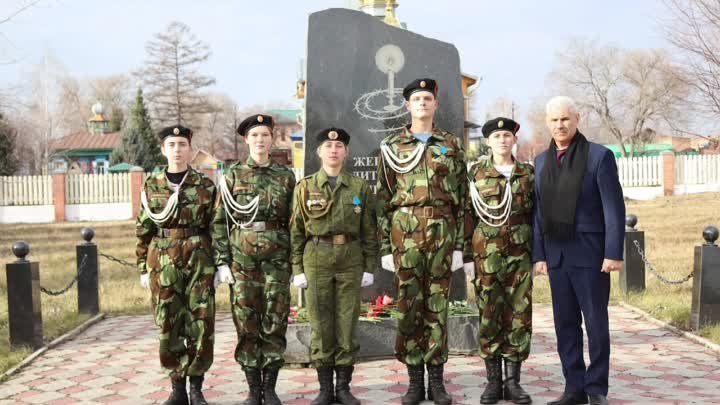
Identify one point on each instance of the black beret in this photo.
(420, 85)
(333, 134)
(500, 124)
(254, 121)
(176, 130)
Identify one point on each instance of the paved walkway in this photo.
(115, 361)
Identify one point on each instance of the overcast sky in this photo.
(257, 45)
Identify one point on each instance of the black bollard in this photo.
(23, 289)
(87, 267)
(632, 273)
(705, 308)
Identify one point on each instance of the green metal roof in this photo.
(120, 168)
(648, 149)
(86, 152)
(284, 116)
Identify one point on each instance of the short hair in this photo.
(561, 101)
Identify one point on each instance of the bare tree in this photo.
(503, 107)
(8, 14)
(111, 91)
(171, 76)
(73, 112)
(626, 91)
(694, 29)
(217, 127)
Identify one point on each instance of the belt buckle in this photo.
(430, 210)
(165, 233)
(258, 226)
(338, 239)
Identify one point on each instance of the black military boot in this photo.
(179, 395)
(269, 380)
(436, 386)
(254, 382)
(494, 388)
(342, 386)
(196, 395)
(416, 388)
(513, 391)
(326, 394)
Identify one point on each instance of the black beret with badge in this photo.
(333, 134)
(420, 85)
(500, 124)
(254, 121)
(176, 130)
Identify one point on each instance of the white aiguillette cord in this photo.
(167, 212)
(482, 208)
(229, 204)
(401, 165)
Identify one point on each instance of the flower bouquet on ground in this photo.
(383, 307)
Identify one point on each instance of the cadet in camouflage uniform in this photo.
(421, 190)
(334, 253)
(498, 259)
(175, 260)
(258, 250)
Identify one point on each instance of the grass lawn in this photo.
(673, 226)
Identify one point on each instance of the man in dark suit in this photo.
(578, 240)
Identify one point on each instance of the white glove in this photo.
(457, 260)
(300, 281)
(388, 263)
(469, 270)
(367, 279)
(223, 275)
(145, 280)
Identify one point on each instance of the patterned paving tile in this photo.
(115, 362)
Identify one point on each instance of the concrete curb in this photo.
(39, 352)
(691, 336)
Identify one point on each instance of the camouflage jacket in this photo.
(319, 210)
(273, 183)
(439, 179)
(490, 184)
(194, 210)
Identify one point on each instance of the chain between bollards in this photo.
(72, 282)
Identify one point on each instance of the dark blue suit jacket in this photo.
(599, 216)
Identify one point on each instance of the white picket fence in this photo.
(698, 169)
(26, 190)
(643, 171)
(97, 188)
(692, 174)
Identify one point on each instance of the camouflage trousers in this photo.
(422, 252)
(181, 281)
(260, 298)
(503, 292)
(333, 301)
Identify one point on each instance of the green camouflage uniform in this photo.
(260, 295)
(422, 241)
(181, 272)
(503, 262)
(333, 271)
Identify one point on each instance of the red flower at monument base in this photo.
(378, 309)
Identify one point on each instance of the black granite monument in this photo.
(356, 68)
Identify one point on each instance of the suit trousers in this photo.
(582, 293)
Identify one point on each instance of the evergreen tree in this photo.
(116, 119)
(8, 159)
(139, 143)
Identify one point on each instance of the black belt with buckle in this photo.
(427, 212)
(180, 233)
(340, 239)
